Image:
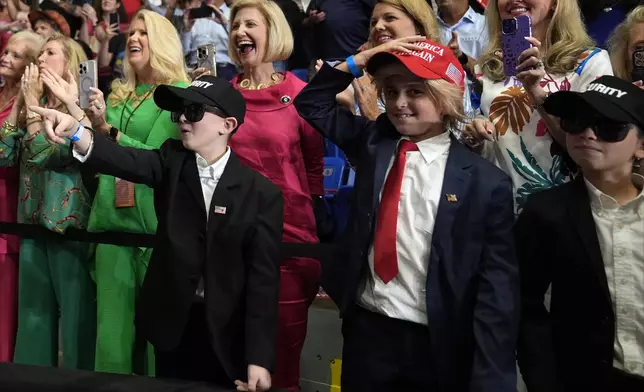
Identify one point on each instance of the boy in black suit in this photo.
(209, 300)
(586, 239)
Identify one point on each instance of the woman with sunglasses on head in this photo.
(131, 118)
(280, 145)
(22, 49)
(514, 132)
(56, 295)
(584, 242)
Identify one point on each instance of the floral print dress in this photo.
(523, 147)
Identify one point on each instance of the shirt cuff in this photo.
(80, 157)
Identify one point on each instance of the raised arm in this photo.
(496, 313)
(100, 153)
(317, 104)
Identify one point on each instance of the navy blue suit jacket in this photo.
(472, 282)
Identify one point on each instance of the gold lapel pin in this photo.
(451, 198)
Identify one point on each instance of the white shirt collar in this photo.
(433, 147)
(601, 201)
(216, 169)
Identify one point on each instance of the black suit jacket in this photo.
(472, 282)
(236, 252)
(570, 347)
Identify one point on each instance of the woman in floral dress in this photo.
(515, 132)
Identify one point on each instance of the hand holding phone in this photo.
(638, 64)
(206, 58)
(88, 80)
(115, 20)
(514, 33)
(200, 13)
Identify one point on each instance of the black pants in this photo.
(194, 359)
(385, 354)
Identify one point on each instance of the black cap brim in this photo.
(567, 104)
(173, 98)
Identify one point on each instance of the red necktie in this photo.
(385, 256)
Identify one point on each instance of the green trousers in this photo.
(119, 274)
(55, 291)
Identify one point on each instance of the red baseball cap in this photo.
(432, 61)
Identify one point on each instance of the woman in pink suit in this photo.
(276, 142)
(22, 49)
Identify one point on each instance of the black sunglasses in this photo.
(194, 112)
(607, 130)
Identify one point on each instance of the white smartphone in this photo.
(88, 79)
(206, 58)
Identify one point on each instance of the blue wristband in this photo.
(351, 64)
(79, 132)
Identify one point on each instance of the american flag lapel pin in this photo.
(220, 210)
(451, 198)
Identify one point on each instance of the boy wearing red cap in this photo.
(428, 282)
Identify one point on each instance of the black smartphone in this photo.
(638, 64)
(115, 19)
(201, 12)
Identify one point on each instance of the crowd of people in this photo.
(497, 212)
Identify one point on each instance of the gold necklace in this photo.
(276, 77)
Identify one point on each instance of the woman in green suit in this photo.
(153, 56)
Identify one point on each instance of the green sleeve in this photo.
(10, 147)
(40, 152)
(162, 130)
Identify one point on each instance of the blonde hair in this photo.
(34, 44)
(74, 54)
(619, 42)
(166, 57)
(447, 96)
(565, 40)
(280, 38)
(421, 13)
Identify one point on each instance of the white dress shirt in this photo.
(404, 297)
(209, 176)
(620, 230)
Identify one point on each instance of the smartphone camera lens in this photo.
(509, 26)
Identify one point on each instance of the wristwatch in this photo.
(113, 134)
(463, 59)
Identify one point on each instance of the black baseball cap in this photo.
(608, 96)
(207, 90)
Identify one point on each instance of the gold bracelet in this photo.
(31, 115)
(33, 121)
(10, 126)
(82, 117)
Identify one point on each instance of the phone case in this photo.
(514, 32)
(201, 12)
(114, 19)
(206, 58)
(88, 79)
(638, 64)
